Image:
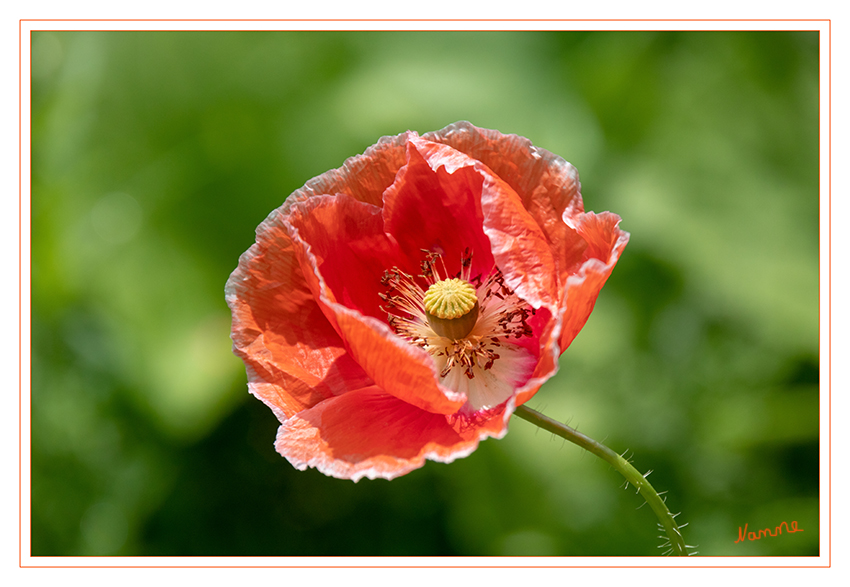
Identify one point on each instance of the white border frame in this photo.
(823, 26)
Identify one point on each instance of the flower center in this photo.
(451, 307)
(469, 326)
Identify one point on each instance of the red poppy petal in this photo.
(347, 240)
(434, 205)
(468, 202)
(519, 247)
(368, 433)
(401, 369)
(363, 177)
(605, 244)
(547, 185)
(293, 356)
(343, 251)
(547, 363)
(531, 171)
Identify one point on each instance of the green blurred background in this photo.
(156, 154)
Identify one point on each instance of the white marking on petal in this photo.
(491, 387)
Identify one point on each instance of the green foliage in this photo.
(155, 156)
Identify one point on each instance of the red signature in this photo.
(744, 535)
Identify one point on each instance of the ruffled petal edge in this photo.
(369, 433)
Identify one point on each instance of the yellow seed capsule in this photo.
(451, 307)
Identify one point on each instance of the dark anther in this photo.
(466, 259)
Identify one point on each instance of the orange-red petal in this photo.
(547, 185)
(363, 177)
(605, 244)
(369, 433)
(345, 239)
(293, 356)
(436, 205)
(460, 201)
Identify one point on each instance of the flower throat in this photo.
(462, 322)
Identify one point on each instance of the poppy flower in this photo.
(401, 307)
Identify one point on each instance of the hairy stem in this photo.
(676, 542)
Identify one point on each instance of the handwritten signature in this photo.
(744, 535)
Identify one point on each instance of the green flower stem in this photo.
(671, 528)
